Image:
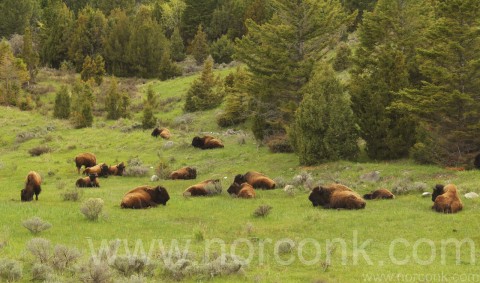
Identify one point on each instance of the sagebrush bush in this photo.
(41, 272)
(36, 225)
(92, 208)
(285, 247)
(262, 211)
(10, 270)
(128, 265)
(72, 195)
(64, 257)
(163, 169)
(95, 272)
(40, 249)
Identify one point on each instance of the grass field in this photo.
(389, 241)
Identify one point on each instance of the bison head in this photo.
(198, 142)
(319, 196)
(156, 132)
(120, 168)
(26, 195)
(438, 190)
(104, 170)
(192, 173)
(234, 188)
(240, 179)
(160, 195)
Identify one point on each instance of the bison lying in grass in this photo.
(205, 188)
(144, 197)
(244, 190)
(184, 173)
(380, 194)
(207, 142)
(162, 132)
(32, 186)
(116, 170)
(88, 182)
(101, 170)
(256, 180)
(336, 196)
(445, 199)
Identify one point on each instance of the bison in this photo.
(206, 142)
(33, 184)
(145, 196)
(244, 190)
(205, 188)
(100, 169)
(185, 173)
(162, 132)
(445, 199)
(85, 159)
(88, 182)
(336, 196)
(116, 170)
(380, 194)
(256, 180)
(476, 162)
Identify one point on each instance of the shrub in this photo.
(406, 186)
(222, 50)
(61, 109)
(95, 272)
(285, 247)
(343, 57)
(41, 272)
(72, 195)
(128, 265)
(40, 249)
(39, 150)
(10, 270)
(135, 278)
(92, 208)
(26, 103)
(64, 257)
(163, 170)
(262, 211)
(36, 225)
(279, 143)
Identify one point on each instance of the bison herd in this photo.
(337, 196)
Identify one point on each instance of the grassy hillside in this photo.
(401, 237)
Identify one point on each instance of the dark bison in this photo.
(336, 196)
(85, 159)
(145, 196)
(445, 199)
(162, 132)
(205, 188)
(88, 182)
(257, 180)
(100, 169)
(206, 142)
(244, 190)
(116, 170)
(476, 162)
(380, 194)
(33, 184)
(185, 173)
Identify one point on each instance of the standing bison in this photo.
(85, 159)
(32, 186)
(144, 197)
(445, 199)
(162, 132)
(336, 196)
(206, 142)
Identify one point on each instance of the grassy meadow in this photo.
(387, 240)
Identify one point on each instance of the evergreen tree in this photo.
(168, 69)
(384, 63)
(113, 100)
(236, 99)
(199, 46)
(324, 128)
(202, 94)
(57, 22)
(117, 38)
(61, 109)
(17, 15)
(176, 46)
(13, 73)
(149, 120)
(222, 50)
(30, 55)
(93, 68)
(280, 54)
(197, 12)
(447, 102)
(172, 13)
(82, 105)
(227, 19)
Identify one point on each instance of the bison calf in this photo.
(380, 194)
(32, 187)
(88, 182)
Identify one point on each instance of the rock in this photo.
(371, 177)
(154, 178)
(426, 194)
(471, 195)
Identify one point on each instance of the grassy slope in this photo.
(292, 217)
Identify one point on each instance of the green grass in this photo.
(200, 220)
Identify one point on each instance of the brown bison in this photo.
(145, 196)
(100, 169)
(88, 182)
(162, 132)
(207, 142)
(336, 196)
(244, 190)
(184, 173)
(445, 199)
(85, 159)
(257, 180)
(205, 188)
(32, 186)
(116, 170)
(380, 194)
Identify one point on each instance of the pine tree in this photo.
(236, 99)
(149, 120)
(280, 55)
(29, 54)
(82, 105)
(384, 63)
(197, 12)
(117, 37)
(113, 100)
(62, 104)
(93, 68)
(202, 94)
(447, 102)
(324, 128)
(222, 50)
(199, 46)
(13, 73)
(176, 46)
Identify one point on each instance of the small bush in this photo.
(41, 272)
(64, 257)
(40, 249)
(406, 186)
(36, 225)
(39, 150)
(95, 272)
(24, 136)
(262, 211)
(128, 265)
(92, 208)
(278, 144)
(285, 247)
(137, 171)
(10, 270)
(136, 278)
(163, 170)
(279, 182)
(72, 195)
